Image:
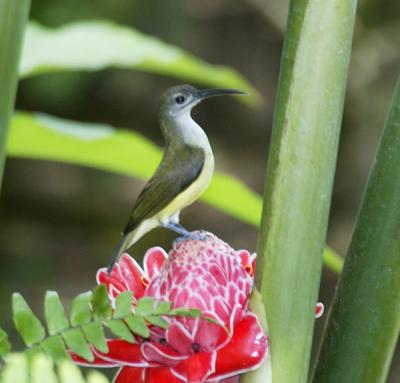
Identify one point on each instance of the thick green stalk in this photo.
(300, 176)
(364, 323)
(13, 18)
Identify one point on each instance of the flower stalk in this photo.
(365, 317)
(13, 18)
(300, 176)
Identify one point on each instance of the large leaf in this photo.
(94, 45)
(102, 147)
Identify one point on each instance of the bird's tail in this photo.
(123, 244)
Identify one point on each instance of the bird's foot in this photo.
(185, 234)
(194, 236)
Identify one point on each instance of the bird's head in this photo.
(182, 98)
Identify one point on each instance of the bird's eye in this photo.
(180, 99)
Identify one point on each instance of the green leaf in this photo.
(119, 328)
(123, 304)
(192, 313)
(300, 176)
(54, 346)
(145, 306)
(96, 377)
(100, 146)
(100, 303)
(5, 346)
(16, 369)
(138, 325)
(27, 324)
(42, 370)
(80, 309)
(157, 321)
(95, 45)
(364, 320)
(54, 313)
(13, 19)
(95, 335)
(75, 340)
(162, 308)
(69, 372)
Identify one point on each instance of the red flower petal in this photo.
(126, 275)
(161, 354)
(179, 338)
(160, 375)
(233, 379)
(154, 260)
(246, 350)
(210, 335)
(98, 361)
(196, 368)
(124, 353)
(319, 310)
(133, 275)
(129, 375)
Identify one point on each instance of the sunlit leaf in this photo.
(16, 369)
(157, 321)
(100, 303)
(54, 313)
(119, 328)
(69, 372)
(138, 325)
(96, 377)
(80, 309)
(76, 342)
(123, 304)
(162, 308)
(5, 345)
(100, 146)
(27, 324)
(145, 306)
(42, 370)
(95, 45)
(55, 348)
(193, 313)
(95, 336)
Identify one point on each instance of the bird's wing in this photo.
(176, 172)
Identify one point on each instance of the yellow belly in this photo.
(191, 194)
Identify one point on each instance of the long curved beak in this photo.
(205, 93)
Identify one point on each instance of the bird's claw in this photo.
(194, 236)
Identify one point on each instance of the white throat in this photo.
(192, 133)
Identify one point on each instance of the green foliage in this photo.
(54, 313)
(84, 329)
(300, 176)
(27, 324)
(5, 346)
(41, 369)
(95, 45)
(100, 146)
(13, 17)
(365, 317)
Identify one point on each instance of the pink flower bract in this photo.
(204, 274)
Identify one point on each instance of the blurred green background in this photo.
(60, 223)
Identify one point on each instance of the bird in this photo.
(183, 174)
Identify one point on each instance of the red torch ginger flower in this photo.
(204, 274)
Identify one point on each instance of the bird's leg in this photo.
(178, 228)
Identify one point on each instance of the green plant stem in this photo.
(13, 18)
(300, 176)
(365, 318)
